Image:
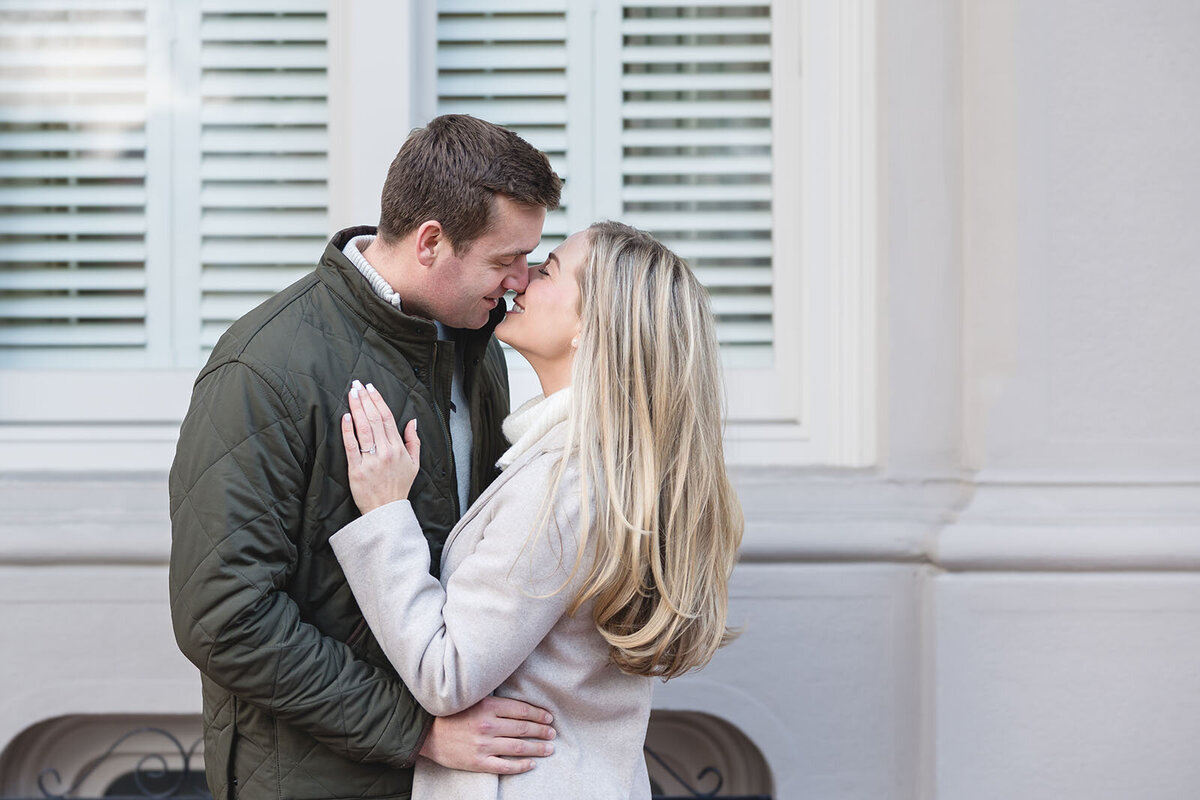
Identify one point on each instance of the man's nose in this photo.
(518, 278)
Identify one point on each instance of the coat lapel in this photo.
(545, 444)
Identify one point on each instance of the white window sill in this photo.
(91, 420)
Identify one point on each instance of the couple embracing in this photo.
(376, 567)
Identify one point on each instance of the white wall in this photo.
(1006, 606)
(1066, 631)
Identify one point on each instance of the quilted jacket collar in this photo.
(347, 282)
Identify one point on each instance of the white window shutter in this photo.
(507, 62)
(696, 167)
(655, 113)
(163, 169)
(264, 160)
(74, 137)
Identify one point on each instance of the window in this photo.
(165, 166)
(690, 120)
(163, 169)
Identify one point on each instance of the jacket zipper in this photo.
(359, 631)
(433, 389)
(231, 780)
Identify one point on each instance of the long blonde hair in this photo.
(646, 418)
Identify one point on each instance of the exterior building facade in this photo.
(961, 349)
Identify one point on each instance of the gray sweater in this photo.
(496, 624)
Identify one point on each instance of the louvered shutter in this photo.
(696, 167)
(163, 169)
(507, 63)
(263, 143)
(667, 126)
(75, 138)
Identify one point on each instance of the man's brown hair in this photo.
(451, 169)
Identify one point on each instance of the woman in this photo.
(601, 555)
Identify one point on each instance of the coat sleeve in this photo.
(453, 646)
(237, 492)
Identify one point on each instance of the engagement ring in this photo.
(369, 452)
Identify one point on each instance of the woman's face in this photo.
(545, 317)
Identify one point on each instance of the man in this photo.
(299, 701)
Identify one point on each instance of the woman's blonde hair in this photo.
(665, 524)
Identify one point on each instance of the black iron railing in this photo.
(709, 775)
(151, 779)
(154, 779)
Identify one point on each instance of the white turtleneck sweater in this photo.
(532, 421)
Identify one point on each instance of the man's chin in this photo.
(481, 317)
(473, 322)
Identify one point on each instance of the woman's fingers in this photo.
(412, 442)
(374, 417)
(382, 464)
(362, 424)
(385, 414)
(375, 425)
(353, 454)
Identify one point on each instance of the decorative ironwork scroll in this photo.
(700, 777)
(150, 768)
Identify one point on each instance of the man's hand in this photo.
(491, 736)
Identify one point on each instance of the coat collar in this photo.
(344, 279)
(553, 440)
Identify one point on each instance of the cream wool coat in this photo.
(489, 627)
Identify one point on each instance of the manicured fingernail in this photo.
(346, 417)
(354, 391)
(371, 388)
(357, 384)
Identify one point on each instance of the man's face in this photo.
(466, 287)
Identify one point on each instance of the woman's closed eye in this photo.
(544, 267)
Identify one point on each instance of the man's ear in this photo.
(428, 241)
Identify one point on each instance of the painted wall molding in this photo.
(1095, 526)
(792, 516)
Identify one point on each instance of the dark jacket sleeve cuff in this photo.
(411, 759)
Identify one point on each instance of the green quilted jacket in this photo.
(299, 701)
